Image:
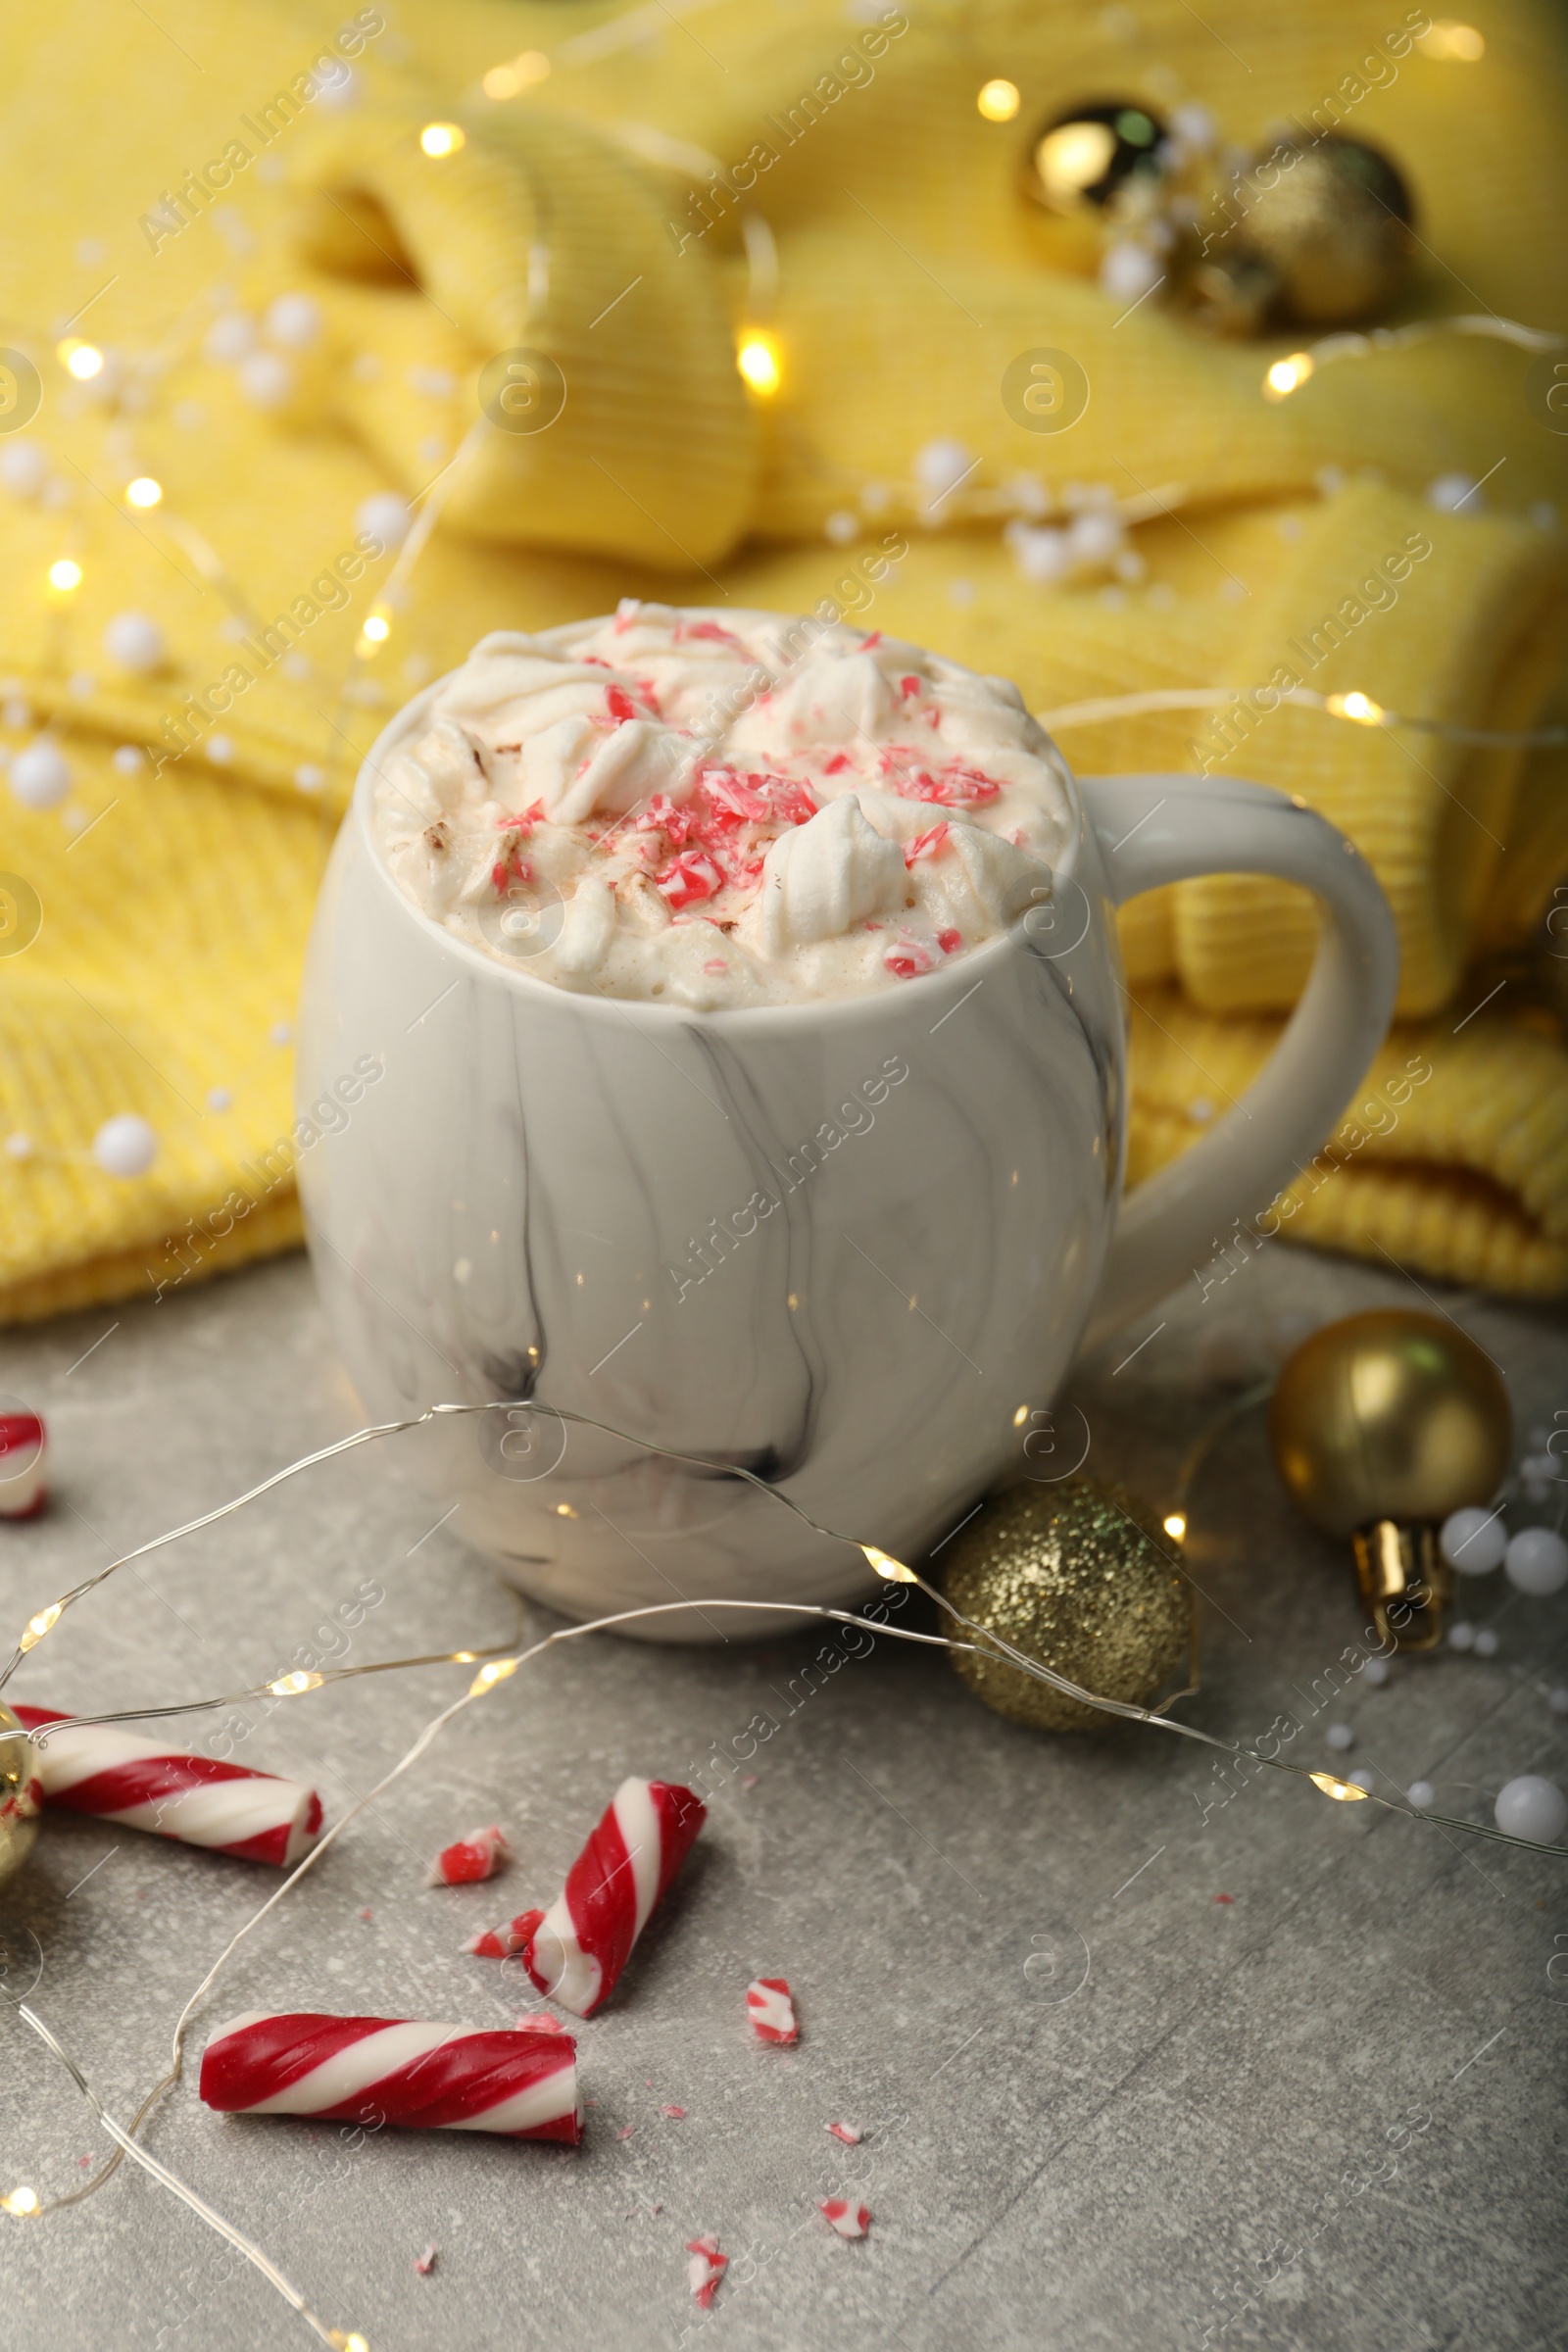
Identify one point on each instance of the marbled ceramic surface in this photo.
(1096, 2095)
(849, 1246)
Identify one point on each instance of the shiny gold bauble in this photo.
(1390, 1416)
(20, 1794)
(1081, 169)
(1074, 1574)
(1334, 230)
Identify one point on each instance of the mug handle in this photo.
(1154, 829)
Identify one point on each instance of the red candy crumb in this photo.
(625, 2132)
(950, 942)
(908, 686)
(691, 877)
(471, 1858)
(1224, 1898)
(772, 2010)
(929, 844)
(676, 2112)
(847, 2133)
(837, 764)
(425, 2263)
(620, 704)
(850, 2221)
(540, 2020)
(705, 2270)
(907, 959)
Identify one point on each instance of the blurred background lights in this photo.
(83, 360)
(757, 362)
(505, 82)
(1286, 375)
(441, 139)
(65, 575)
(1455, 43)
(144, 491)
(998, 101)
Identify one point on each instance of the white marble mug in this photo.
(849, 1246)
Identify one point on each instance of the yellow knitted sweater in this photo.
(169, 180)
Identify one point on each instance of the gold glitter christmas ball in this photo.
(1334, 228)
(1074, 1574)
(20, 1796)
(1390, 1415)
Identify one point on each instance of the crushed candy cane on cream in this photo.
(721, 810)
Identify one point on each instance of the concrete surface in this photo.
(1104, 2105)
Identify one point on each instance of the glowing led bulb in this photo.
(488, 1676)
(20, 2201)
(1175, 1524)
(887, 1566)
(757, 361)
(289, 1686)
(83, 360)
(143, 491)
(377, 629)
(45, 1623)
(1285, 375)
(1344, 1792)
(998, 101)
(440, 140)
(65, 575)
(1360, 707)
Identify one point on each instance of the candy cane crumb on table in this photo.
(846, 2216)
(772, 2010)
(575, 1952)
(848, 2133)
(469, 1859)
(388, 2070)
(705, 2270)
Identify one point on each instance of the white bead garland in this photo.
(1533, 1808)
(40, 775)
(1473, 1540)
(126, 1146)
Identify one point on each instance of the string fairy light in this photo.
(1359, 709)
(1285, 375)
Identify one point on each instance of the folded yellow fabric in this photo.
(1453, 1157)
(593, 225)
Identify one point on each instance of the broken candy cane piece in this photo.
(705, 2270)
(847, 2133)
(425, 2263)
(140, 1784)
(850, 2221)
(476, 1856)
(772, 2011)
(389, 2070)
(574, 1952)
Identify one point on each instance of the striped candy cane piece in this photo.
(388, 2070)
(22, 1475)
(848, 2218)
(771, 2009)
(476, 1856)
(577, 1949)
(96, 1768)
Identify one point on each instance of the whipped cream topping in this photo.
(721, 809)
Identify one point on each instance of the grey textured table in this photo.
(1287, 2075)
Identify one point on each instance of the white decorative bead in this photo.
(1486, 1643)
(16, 711)
(127, 760)
(266, 381)
(1461, 1635)
(230, 338)
(18, 1145)
(137, 641)
(842, 526)
(1375, 1672)
(1533, 1808)
(1096, 537)
(1042, 555)
(1360, 1777)
(1129, 271)
(308, 777)
(1421, 1794)
(942, 465)
(340, 93)
(1340, 1736)
(126, 1146)
(295, 322)
(281, 1033)
(1536, 1560)
(1558, 1700)
(39, 775)
(219, 1098)
(1473, 1540)
(1195, 127)
(1453, 493)
(219, 749)
(22, 469)
(385, 517)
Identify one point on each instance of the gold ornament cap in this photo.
(20, 1794)
(1381, 1425)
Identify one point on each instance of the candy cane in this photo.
(22, 1489)
(388, 2070)
(96, 1768)
(577, 1949)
